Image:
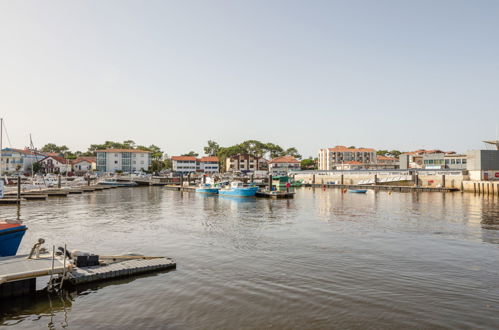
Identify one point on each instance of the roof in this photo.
(22, 151)
(84, 159)
(192, 158)
(284, 159)
(209, 159)
(382, 157)
(123, 150)
(345, 149)
(59, 159)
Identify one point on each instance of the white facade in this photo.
(328, 158)
(191, 164)
(55, 164)
(17, 160)
(124, 160)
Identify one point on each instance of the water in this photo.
(322, 260)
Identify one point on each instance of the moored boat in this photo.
(357, 191)
(113, 182)
(10, 238)
(238, 189)
(207, 189)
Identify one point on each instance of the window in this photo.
(116, 162)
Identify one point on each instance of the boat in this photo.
(207, 189)
(114, 182)
(238, 189)
(11, 235)
(357, 191)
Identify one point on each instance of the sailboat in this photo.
(11, 234)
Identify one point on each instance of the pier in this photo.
(383, 187)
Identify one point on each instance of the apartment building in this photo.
(245, 163)
(191, 164)
(124, 160)
(282, 165)
(330, 158)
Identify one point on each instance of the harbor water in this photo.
(323, 260)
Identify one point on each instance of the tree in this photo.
(212, 148)
(37, 167)
(292, 152)
(274, 150)
(351, 147)
(308, 164)
(395, 153)
(382, 152)
(191, 153)
(52, 147)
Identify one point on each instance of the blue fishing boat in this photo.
(238, 189)
(207, 189)
(10, 238)
(357, 191)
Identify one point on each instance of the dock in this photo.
(119, 267)
(18, 274)
(384, 187)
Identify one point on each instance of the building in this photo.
(387, 160)
(123, 160)
(414, 159)
(184, 164)
(191, 164)
(450, 160)
(483, 164)
(282, 165)
(208, 164)
(56, 164)
(245, 163)
(18, 160)
(329, 158)
(83, 165)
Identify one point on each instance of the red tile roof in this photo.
(343, 149)
(123, 150)
(285, 159)
(61, 160)
(209, 159)
(184, 158)
(84, 159)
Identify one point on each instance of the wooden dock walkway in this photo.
(383, 187)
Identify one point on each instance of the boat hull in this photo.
(207, 190)
(10, 239)
(357, 191)
(239, 192)
(118, 184)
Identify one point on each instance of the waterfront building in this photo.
(483, 164)
(18, 160)
(282, 165)
(329, 158)
(83, 165)
(414, 159)
(124, 160)
(191, 164)
(448, 160)
(208, 164)
(56, 164)
(387, 160)
(245, 163)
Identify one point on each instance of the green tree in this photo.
(52, 147)
(191, 153)
(292, 152)
(37, 167)
(308, 164)
(395, 153)
(212, 148)
(382, 152)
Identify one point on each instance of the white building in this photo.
(18, 160)
(329, 158)
(56, 164)
(124, 160)
(83, 165)
(191, 164)
(282, 165)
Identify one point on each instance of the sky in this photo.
(307, 74)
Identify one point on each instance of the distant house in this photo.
(350, 166)
(83, 165)
(191, 164)
(56, 164)
(124, 160)
(18, 160)
(245, 163)
(284, 164)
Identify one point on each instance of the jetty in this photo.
(383, 187)
(18, 274)
(276, 194)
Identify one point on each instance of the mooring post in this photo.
(443, 180)
(204, 178)
(375, 179)
(342, 179)
(88, 180)
(59, 181)
(188, 179)
(270, 182)
(416, 179)
(313, 179)
(181, 179)
(19, 188)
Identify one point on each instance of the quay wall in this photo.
(445, 179)
(482, 187)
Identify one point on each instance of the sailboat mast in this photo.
(1, 146)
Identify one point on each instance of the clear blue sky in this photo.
(310, 74)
